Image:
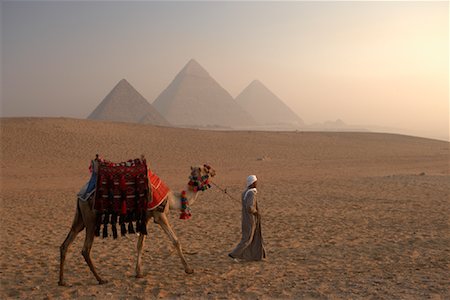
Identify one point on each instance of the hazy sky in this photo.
(380, 63)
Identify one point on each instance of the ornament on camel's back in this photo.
(122, 192)
(159, 190)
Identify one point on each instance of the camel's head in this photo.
(199, 179)
(208, 170)
(201, 171)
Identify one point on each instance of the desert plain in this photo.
(344, 215)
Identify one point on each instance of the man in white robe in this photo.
(251, 246)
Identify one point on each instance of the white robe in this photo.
(251, 246)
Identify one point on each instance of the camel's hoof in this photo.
(139, 276)
(189, 271)
(62, 283)
(102, 281)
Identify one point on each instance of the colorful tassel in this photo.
(185, 210)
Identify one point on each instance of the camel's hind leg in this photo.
(162, 220)
(77, 226)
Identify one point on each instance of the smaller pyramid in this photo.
(125, 104)
(265, 107)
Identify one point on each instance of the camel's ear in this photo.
(192, 168)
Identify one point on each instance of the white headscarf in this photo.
(251, 179)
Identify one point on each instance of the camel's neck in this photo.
(191, 196)
(195, 185)
(175, 198)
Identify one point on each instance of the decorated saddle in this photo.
(122, 191)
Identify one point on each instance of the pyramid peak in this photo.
(257, 83)
(192, 61)
(194, 68)
(123, 83)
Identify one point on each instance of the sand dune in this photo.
(345, 215)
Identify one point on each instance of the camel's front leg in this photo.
(89, 219)
(140, 246)
(162, 220)
(87, 252)
(77, 226)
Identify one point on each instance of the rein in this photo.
(224, 190)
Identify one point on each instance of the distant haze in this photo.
(367, 63)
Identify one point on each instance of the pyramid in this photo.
(125, 104)
(195, 99)
(265, 107)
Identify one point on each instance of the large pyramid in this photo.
(265, 107)
(125, 104)
(195, 99)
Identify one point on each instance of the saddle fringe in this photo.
(136, 224)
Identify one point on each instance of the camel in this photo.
(85, 218)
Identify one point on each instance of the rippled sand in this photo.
(345, 215)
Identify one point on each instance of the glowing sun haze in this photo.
(368, 63)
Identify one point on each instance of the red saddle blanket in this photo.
(159, 190)
(122, 188)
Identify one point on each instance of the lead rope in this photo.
(224, 191)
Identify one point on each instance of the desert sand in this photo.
(344, 215)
